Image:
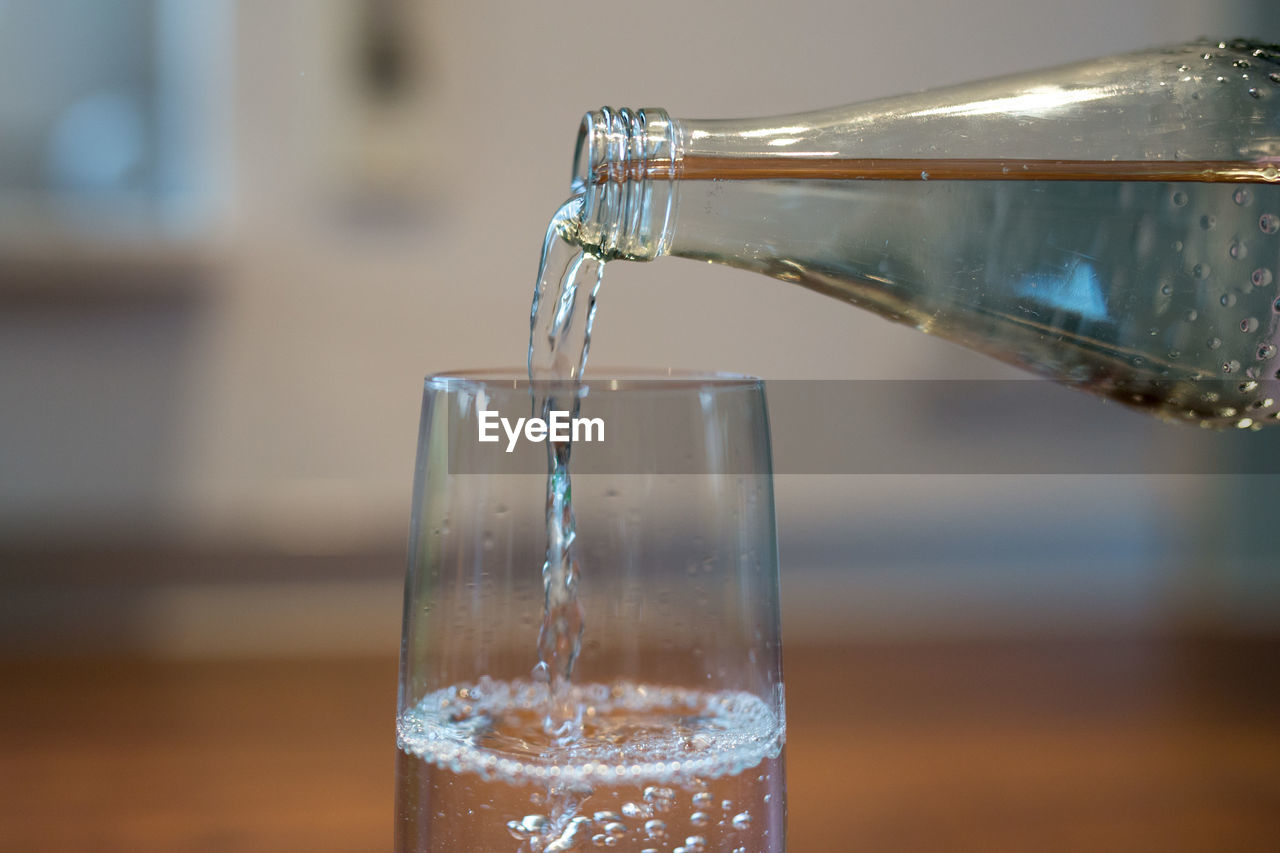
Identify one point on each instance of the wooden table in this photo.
(1099, 745)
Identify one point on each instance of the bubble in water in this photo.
(1274, 77)
(1249, 324)
(488, 541)
(699, 818)
(1179, 198)
(1201, 271)
(1238, 250)
(605, 817)
(1242, 196)
(1227, 412)
(1261, 277)
(1246, 387)
(1153, 331)
(742, 820)
(632, 810)
(655, 829)
(1269, 223)
(1166, 290)
(500, 509)
(727, 805)
(695, 844)
(702, 800)
(1191, 315)
(1176, 245)
(1244, 423)
(527, 828)
(1213, 343)
(1173, 354)
(1230, 366)
(661, 799)
(1266, 352)
(1254, 93)
(615, 829)
(1227, 300)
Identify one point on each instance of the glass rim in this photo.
(605, 378)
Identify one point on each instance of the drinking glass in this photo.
(669, 734)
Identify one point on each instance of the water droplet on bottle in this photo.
(632, 810)
(1213, 343)
(1260, 277)
(1269, 223)
(1206, 56)
(1246, 387)
(1227, 300)
(488, 543)
(1207, 222)
(655, 829)
(726, 805)
(1230, 366)
(1238, 250)
(1209, 396)
(610, 493)
(1166, 290)
(1242, 196)
(1191, 315)
(1253, 92)
(1153, 331)
(699, 819)
(1200, 271)
(1274, 77)
(1173, 354)
(742, 820)
(695, 844)
(702, 800)
(1244, 423)
(615, 829)
(1266, 352)
(500, 510)
(1179, 198)
(1249, 324)
(1176, 245)
(1227, 412)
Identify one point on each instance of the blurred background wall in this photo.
(235, 235)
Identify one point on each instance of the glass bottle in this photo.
(1112, 224)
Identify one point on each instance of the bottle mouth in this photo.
(625, 212)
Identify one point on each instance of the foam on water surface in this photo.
(629, 733)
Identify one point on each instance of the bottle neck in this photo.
(622, 167)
